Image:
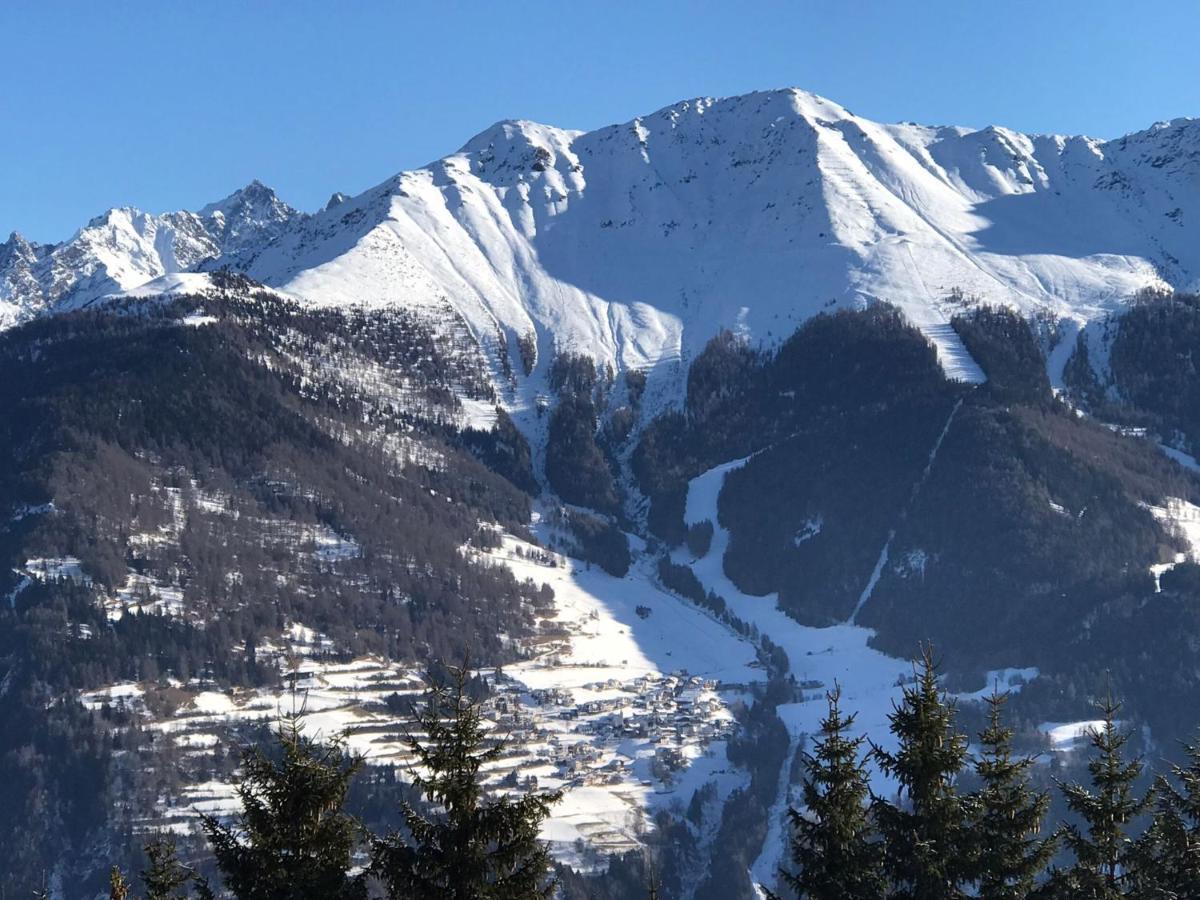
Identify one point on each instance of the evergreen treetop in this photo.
(927, 838)
(833, 845)
(473, 847)
(1010, 853)
(164, 875)
(292, 839)
(1167, 857)
(1102, 847)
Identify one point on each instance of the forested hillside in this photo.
(187, 478)
(877, 492)
(194, 482)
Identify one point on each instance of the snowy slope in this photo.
(838, 656)
(636, 242)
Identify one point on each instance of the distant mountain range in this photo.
(125, 248)
(636, 242)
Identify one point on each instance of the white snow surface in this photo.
(635, 242)
(169, 285)
(1182, 518)
(1184, 459)
(1067, 736)
(1003, 681)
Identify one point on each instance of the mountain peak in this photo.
(255, 193)
(250, 216)
(787, 102)
(521, 133)
(16, 240)
(17, 250)
(111, 215)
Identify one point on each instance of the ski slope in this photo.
(870, 681)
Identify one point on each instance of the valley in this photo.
(668, 428)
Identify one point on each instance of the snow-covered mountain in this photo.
(126, 247)
(817, 514)
(637, 241)
(247, 218)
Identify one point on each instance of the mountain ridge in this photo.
(125, 248)
(636, 242)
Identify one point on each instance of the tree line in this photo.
(932, 841)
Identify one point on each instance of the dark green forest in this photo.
(1032, 512)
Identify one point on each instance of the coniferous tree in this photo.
(1102, 848)
(833, 845)
(474, 847)
(1167, 857)
(1010, 854)
(164, 875)
(926, 835)
(118, 887)
(293, 841)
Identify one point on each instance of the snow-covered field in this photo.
(1065, 737)
(1183, 518)
(820, 657)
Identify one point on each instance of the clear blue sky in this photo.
(167, 105)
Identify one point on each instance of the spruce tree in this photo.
(164, 875)
(1102, 848)
(926, 835)
(833, 845)
(292, 840)
(118, 887)
(1167, 856)
(1010, 854)
(472, 847)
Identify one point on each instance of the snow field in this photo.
(821, 657)
(1183, 519)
